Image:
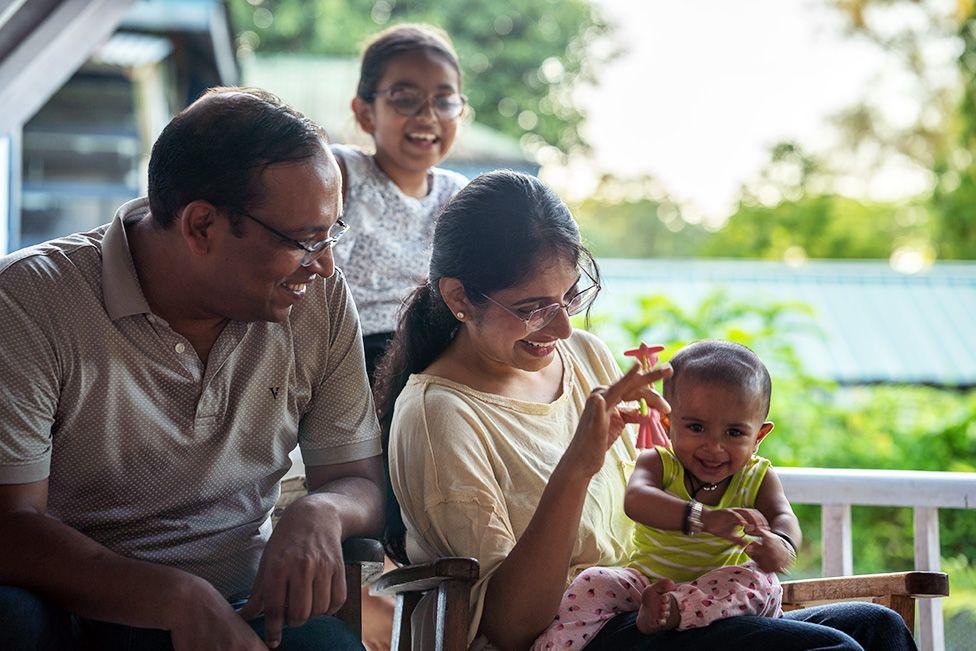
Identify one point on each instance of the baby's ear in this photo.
(766, 428)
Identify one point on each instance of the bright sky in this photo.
(706, 87)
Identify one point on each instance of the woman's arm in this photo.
(524, 592)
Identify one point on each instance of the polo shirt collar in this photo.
(120, 285)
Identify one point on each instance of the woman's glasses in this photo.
(409, 102)
(539, 318)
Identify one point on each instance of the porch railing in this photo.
(836, 490)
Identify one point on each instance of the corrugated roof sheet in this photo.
(877, 325)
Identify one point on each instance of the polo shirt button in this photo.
(180, 347)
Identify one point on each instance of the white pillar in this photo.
(930, 633)
(835, 524)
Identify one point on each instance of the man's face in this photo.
(258, 276)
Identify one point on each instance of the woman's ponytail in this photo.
(425, 328)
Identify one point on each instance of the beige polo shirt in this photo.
(469, 469)
(148, 451)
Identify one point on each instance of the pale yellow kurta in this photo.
(469, 468)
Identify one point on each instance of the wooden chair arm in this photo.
(426, 576)
(908, 584)
(897, 591)
(362, 550)
(451, 579)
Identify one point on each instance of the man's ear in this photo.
(766, 428)
(452, 291)
(363, 111)
(198, 221)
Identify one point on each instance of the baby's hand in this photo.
(733, 524)
(771, 552)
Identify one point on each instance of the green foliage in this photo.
(821, 424)
(521, 58)
(821, 226)
(955, 192)
(623, 219)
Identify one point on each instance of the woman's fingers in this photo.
(630, 386)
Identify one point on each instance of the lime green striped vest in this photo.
(664, 554)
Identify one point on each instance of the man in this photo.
(157, 371)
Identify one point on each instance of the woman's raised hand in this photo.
(603, 418)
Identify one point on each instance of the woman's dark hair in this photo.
(397, 41)
(216, 148)
(492, 235)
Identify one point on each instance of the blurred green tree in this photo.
(635, 218)
(522, 58)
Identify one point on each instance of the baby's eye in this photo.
(734, 432)
(696, 427)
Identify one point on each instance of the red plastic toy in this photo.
(651, 432)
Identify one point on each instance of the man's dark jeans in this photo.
(849, 626)
(29, 622)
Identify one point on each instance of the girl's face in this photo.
(502, 339)
(411, 143)
(715, 427)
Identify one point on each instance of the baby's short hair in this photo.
(712, 360)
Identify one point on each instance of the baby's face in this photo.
(715, 427)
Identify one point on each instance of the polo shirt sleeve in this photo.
(29, 373)
(340, 423)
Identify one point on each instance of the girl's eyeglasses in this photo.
(409, 102)
(539, 318)
(314, 249)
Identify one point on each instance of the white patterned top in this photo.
(386, 252)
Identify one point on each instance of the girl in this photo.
(409, 100)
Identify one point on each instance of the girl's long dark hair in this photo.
(492, 235)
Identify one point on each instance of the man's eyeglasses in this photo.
(539, 318)
(409, 102)
(314, 249)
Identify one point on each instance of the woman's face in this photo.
(503, 339)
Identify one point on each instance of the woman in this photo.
(505, 438)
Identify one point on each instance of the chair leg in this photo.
(452, 615)
(402, 637)
(351, 612)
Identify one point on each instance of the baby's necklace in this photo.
(705, 486)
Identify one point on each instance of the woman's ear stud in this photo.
(460, 316)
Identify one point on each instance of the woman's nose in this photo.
(560, 327)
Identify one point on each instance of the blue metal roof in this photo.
(876, 324)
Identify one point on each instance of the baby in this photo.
(714, 526)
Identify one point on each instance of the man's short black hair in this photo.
(711, 360)
(217, 147)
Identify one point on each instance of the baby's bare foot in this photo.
(658, 609)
